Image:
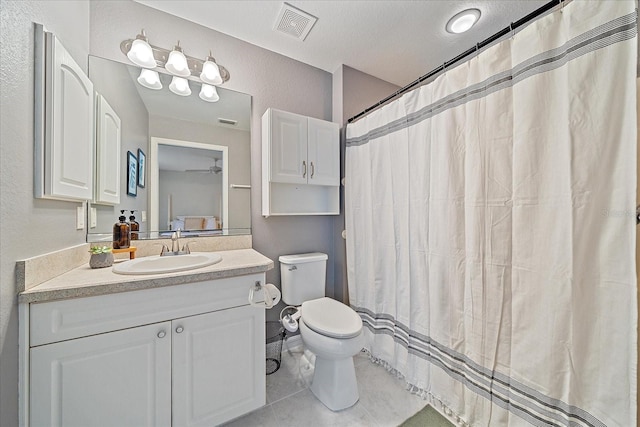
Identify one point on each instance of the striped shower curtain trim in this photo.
(502, 390)
(617, 30)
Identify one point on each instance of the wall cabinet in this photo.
(300, 165)
(107, 160)
(187, 355)
(64, 123)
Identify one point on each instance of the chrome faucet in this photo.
(175, 241)
(175, 246)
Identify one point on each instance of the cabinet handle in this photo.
(162, 334)
(313, 170)
(304, 164)
(179, 329)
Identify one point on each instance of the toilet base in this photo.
(334, 383)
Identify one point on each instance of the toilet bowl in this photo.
(334, 378)
(329, 329)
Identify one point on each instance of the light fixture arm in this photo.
(162, 55)
(141, 36)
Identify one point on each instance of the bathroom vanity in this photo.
(182, 349)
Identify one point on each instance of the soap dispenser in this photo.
(121, 233)
(135, 226)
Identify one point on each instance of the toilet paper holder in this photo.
(270, 295)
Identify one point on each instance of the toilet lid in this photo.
(329, 317)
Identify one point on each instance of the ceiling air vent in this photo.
(294, 22)
(227, 121)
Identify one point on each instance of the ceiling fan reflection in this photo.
(215, 169)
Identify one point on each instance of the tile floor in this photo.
(384, 402)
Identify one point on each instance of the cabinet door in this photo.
(69, 126)
(108, 136)
(218, 366)
(324, 152)
(121, 378)
(288, 148)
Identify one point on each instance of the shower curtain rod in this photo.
(530, 17)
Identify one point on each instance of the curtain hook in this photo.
(513, 33)
(477, 49)
(444, 66)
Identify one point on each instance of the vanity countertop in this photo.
(86, 282)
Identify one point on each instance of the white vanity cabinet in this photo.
(300, 165)
(107, 160)
(64, 123)
(216, 373)
(183, 355)
(112, 379)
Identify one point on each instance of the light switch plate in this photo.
(80, 217)
(144, 216)
(93, 218)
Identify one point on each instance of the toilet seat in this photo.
(331, 318)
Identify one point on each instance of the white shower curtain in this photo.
(490, 227)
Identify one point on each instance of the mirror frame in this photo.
(154, 179)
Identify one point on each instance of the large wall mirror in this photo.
(197, 170)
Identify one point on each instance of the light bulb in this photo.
(141, 53)
(463, 21)
(150, 79)
(180, 86)
(209, 93)
(177, 63)
(210, 72)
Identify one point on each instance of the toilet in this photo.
(329, 329)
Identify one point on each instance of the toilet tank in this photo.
(302, 277)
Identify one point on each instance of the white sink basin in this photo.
(167, 264)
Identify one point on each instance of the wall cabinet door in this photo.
(120, 378)
(65, 129)
(288, 148)
(108, 135)
(218, 366)
(323, 152)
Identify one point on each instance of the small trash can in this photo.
(275, 336)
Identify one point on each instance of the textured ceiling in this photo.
(397, 41)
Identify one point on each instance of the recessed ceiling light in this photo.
(462, 21)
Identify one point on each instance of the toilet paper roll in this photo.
(265, 297)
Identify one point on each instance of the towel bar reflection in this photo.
(245, 186)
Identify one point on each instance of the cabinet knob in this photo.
(313, 170)
(179, 329)
(162, 334)
(304, 165)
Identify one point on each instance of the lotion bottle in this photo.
(121, 233)
(135, 226)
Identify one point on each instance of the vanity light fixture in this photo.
(209, 93)
(463, 21)
(210, 71)
(150, 79)
(184, 68)
(141, 53)
(177, 62)
(180, 86)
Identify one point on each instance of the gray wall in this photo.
(28, 227)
